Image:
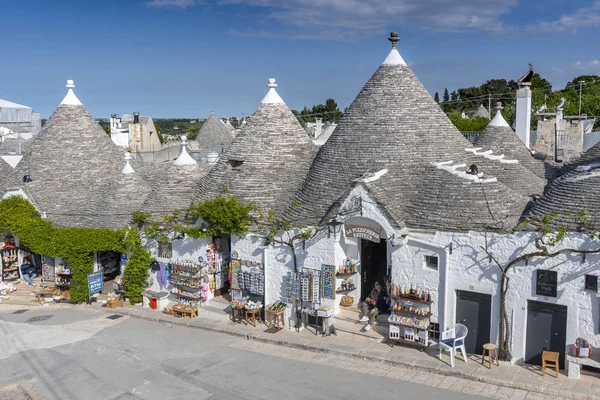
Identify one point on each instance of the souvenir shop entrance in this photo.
(373, 261)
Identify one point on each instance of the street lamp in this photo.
(334, 226)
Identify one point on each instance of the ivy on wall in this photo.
(76, 246)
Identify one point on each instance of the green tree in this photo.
(328, 112)
(436, 97)
(446, 99)
(106, 129)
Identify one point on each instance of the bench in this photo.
(574, 364)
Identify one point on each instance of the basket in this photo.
(347, 301)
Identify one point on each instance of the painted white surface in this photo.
(272, 97)
(184, 157)
(394, 58)
(470, 269)
(11, 160)
(459, 170)
(70, 99)
(128, 169)
(523, 114)
(498, 120)
(120, 137)
(489, 154)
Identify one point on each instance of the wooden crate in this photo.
(113, 303)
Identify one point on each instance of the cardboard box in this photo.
(113, 303)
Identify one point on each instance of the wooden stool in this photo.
(254, 312)
(550, 358)
(489, 347)
(273, 318)
(237, 313)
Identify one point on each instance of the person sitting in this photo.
(374, 305)
(27, 269)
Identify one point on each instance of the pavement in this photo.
(519, 381)
(352, 349)
(99, 356)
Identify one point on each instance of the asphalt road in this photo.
(80, 354)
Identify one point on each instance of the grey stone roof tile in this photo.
(213, 134)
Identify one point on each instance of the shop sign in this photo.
(363, 232)
(547, 282)
(95, 282)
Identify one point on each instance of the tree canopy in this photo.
(328, 112)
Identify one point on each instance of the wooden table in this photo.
(550, 359)
(253, 313)
(237, 313)
(273, 318)
(185, 311)
(489, 347)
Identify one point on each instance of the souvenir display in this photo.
(349, 268)
(63, 277)
(251, 305)
(187, 279)
(346, 286)
(411, 312)
(10, 262)
(48, 273)
(328, 278)
(236, 267)
(276, 307)
(292, 287)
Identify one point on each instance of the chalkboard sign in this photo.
(95, 282)
(547, 282)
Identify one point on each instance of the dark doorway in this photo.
(373, 262)
(109, 262)
(473, 310)
(546, 330)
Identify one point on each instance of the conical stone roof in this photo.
(68, 162)
(213, 134)
(392, 124)
(266, 162)
(570, 194)
(481, 112)
(501, 139)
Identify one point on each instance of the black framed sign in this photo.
(547, 282)
(591, 282)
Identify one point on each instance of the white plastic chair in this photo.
(453, 339)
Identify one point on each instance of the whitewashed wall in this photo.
(470, 269)
(183, 250)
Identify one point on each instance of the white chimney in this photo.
(523, 109)
(318, 127)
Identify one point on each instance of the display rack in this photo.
(344, 275)
(63, 275)
(410, 319)
(10, 264)
(187, 281)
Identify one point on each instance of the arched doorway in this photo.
(373, 251)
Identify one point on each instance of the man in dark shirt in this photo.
(373, 306)
(27, 270)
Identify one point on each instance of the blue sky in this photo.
(184, 58)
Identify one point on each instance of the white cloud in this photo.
(586, 17)
(172, 3)
(589, 66)
(367, 16)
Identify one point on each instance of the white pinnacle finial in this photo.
(70, 99)
(394, 58)
(498, 119)
(272, 96)
(184, 157)
(128, 168)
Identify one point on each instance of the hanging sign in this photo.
(547, 282)
(363, 232)
(95, 282)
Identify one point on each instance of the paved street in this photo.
(78, 353)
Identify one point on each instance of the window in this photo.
(431, 262)
(434, 330)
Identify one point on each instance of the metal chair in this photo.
(453, 339)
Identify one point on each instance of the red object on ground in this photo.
(153, 304)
